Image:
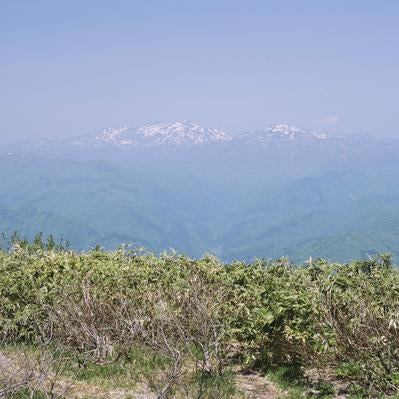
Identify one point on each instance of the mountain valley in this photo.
(282, 190)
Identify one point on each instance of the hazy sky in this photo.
(72, 67)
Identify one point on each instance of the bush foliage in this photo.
(205, 312)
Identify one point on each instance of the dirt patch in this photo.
(19, 370)
(85, 390)
(256, 386)
(328, 375)
(252, 386)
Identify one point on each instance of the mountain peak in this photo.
(281, 133)
(182, 132)
(291, 132)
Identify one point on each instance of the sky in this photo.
(72, 67)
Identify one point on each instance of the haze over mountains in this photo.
(281, 190)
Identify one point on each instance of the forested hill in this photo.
(281, 190)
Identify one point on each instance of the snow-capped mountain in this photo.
(184, 133)
(289, 132)
(179, 133)
(295, 139)
(281, 133)
(183, 136)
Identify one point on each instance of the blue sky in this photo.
(72, 67)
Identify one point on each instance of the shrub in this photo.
(204, 313)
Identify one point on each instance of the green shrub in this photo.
(264, 314)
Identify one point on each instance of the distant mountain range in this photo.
(282, 190)
(187, 134)
(279, 145)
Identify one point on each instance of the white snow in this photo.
(292, 132)
(186, 134)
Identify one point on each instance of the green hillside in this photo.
(338, 215)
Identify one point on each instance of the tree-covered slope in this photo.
(279, 191)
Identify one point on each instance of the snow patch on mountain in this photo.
(284, 131)
(179, 133)
(110, 134)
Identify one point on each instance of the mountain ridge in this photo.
(187, 135)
